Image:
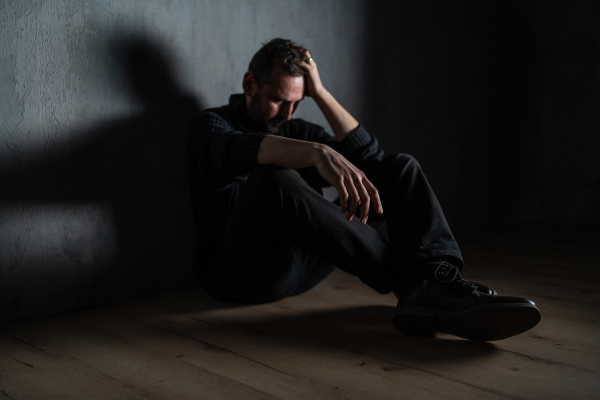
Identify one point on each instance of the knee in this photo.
(404, 165)
(403, 161)
(272, 176)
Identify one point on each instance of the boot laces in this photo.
(449, 274)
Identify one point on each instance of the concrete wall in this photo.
(497, 99)
(500, 102)
(95, 100)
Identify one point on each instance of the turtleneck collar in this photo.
(237, 104)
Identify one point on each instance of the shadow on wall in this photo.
(135, 167)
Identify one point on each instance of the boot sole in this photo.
(482, 323)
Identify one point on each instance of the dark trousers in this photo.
(283, 237)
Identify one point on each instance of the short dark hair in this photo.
(277, 50)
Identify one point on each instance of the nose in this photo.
(286, 111)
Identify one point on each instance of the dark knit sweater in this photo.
(223, 146)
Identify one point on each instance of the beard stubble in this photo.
(256, 113)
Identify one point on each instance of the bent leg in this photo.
(283, 237)
(416, 224)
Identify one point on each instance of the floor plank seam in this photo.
(4, 393)
(208, 322)
(29, 365)
(544, 360)
(106, 333)
(212, 346)
(438, 375)
(22, 341)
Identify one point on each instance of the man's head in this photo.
(274, 83)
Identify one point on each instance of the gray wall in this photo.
(497, 99)
(96, 97)
(500, 102)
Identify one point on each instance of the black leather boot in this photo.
(479, 286)
(450, 304)
(483, 288)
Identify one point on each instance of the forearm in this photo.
(340, 120)
(354, 188)
(286, 152)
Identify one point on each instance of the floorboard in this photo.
(335, 341)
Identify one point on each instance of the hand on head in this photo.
(313, 80)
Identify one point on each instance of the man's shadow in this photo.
(359, 330)
(136, 168)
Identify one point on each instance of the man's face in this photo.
(274, 102)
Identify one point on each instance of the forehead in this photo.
(286, 86)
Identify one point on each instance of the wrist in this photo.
(318, 152)
(319, 93)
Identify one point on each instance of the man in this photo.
(265, 231)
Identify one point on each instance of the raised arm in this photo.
(353, 187)
(340, 120)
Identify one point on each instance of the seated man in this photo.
(266, 232)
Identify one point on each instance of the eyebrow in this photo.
(277, 97)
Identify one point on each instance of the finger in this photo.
(365, 202)
(310, 62)
(377, 205)
(354, 199)
(307, 66)
(309, 59)
(343, 195)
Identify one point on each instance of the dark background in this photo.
(498, 100)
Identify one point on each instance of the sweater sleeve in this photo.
(359, 147)
(219, 154)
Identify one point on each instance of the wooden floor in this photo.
(334, 342)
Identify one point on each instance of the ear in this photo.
(249, 84)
